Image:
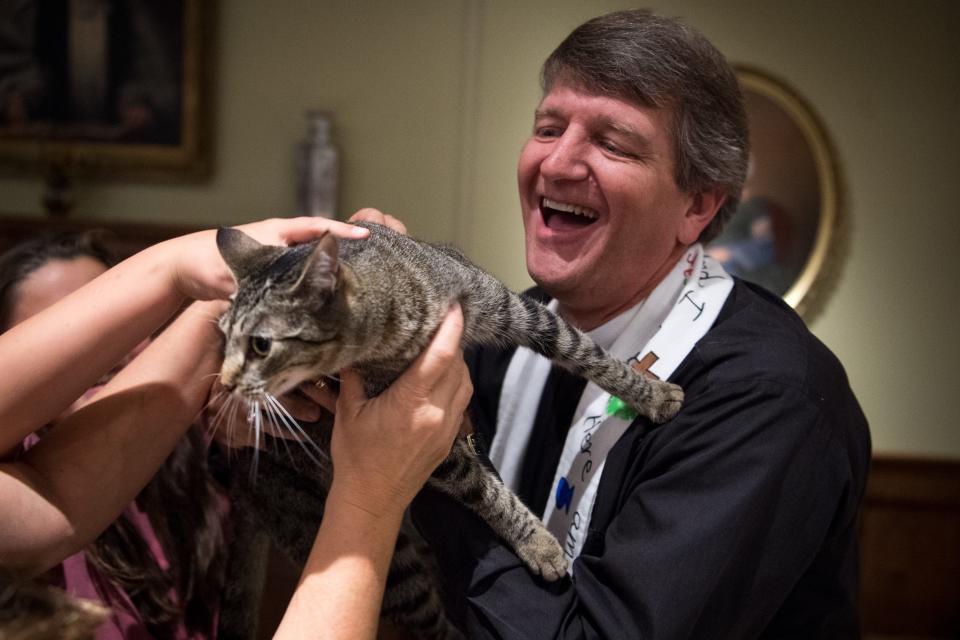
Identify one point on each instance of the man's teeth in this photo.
(570, 208)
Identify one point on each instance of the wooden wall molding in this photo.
(123, 238)
(910, 548)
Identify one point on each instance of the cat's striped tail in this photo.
(521, 320)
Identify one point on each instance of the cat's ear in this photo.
(319, 271)
(243, 254)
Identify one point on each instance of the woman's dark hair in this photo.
(660, 62)
(181, 501)
(183, 506)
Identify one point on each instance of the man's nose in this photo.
(566, 159)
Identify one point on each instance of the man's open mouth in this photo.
(563, 215)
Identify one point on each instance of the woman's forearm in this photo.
(67, 489)
(64, 350)
(82, 474)
(383, 449)
(341, 588)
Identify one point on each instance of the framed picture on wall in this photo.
(103, 87)
(787, 233)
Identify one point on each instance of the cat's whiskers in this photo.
(235, 405)
(255, 419)
(214, 423)
(296, 430)
(225, 418)
(271, 412)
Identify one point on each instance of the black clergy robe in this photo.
(735, 519)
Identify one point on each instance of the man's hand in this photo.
(379, 217)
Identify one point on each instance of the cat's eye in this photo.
(260, 345)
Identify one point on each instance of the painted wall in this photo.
(433, 100)
(390, 73)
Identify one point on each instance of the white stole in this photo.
(668, 324)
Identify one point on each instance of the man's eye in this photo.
(610, 147)
(260, 345)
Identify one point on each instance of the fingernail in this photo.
(360, 232)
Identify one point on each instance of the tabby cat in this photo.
(310, 310)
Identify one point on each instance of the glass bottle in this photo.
(317, 168)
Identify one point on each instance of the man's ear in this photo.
(703, 207)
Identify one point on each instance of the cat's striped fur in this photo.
(374, 304)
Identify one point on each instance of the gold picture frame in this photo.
(141, 112)
(790, 229)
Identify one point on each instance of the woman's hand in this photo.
(201, 274)
(385, 448)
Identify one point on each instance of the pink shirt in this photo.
(80, 578)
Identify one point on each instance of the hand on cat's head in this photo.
(200, 273)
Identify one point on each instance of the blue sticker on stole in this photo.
(564, 494)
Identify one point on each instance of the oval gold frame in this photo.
(816, 279)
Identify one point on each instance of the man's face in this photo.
(603, 218)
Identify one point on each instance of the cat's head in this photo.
(284, 323)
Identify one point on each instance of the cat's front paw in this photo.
(665, 401)
(543, 555)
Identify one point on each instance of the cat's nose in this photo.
(231, 372)
(228, 381)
